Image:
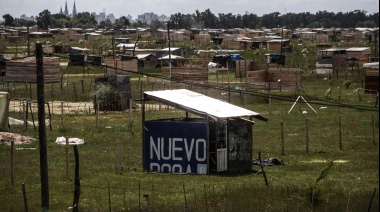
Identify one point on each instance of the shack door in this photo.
(222, 157)
(239, 138)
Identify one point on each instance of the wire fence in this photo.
(143, 196)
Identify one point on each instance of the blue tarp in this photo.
(235, 57)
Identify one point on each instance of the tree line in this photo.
(207, 19)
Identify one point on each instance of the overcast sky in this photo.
(167, 7)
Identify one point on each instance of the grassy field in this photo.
(332, 176)
(339, 172)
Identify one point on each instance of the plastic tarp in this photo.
(371, 65)
(71, 141)
(235, 57)
(4, 112)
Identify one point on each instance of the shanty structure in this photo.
(78, 56)
(220, 140)
(371, 77)
(24, 70)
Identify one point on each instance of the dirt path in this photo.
(56, 107)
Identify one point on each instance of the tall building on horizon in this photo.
(66, 10)
(74, 10)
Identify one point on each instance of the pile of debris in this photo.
(6, 138)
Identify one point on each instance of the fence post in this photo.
(67, 158)
(139, 196)
(117, 155)
(307, 136)
(262, 170)
(373, 129)
(206, 202)
(76, 181)
(130, 116)
(282, 139)
(184, 195)
(270, 100)
(62, 114)
(97, 113)
(75, 92)
(340, 133)
(41, 129)
(109, 197)
(24, 196)
(339, 102)
(12, 162)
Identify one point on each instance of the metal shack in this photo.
(220, 140)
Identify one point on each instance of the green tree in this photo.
(156, 24)
(44, 19)
(8, 20)
(122, 22)
(84, 20)
(105, 24)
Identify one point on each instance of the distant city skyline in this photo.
(119, 8)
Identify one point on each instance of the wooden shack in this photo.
(146, 60)
(202, 38)
(220, 141)
(24, 70)
(76, 37)
(241, 68)
(195, 74)
(371, 77)
(77, 56)
(275, 79)
(120, 65)
(92, 36)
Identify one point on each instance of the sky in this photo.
(119, 8)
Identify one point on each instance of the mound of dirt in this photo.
(6, 138)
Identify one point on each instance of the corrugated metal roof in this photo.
(358, 49)
(200, 104)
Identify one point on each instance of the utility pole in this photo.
(42, 130)
(170, 57)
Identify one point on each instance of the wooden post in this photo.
(76, 181)
(24, 196)
(373, 129)
(67, 158)
(206, 202)
(370, 202)
(109, 197)
(25, 112)
(282, 139)
(97, 112)
(139, 196)
(184, 195)
(28, 41)
(130, 116)
(270, 101)
(62, 114)
(42, 130)
(12, 162)
(117, 155)
(340, 133)
(82, 83)
(262, 170)
(339, 102)
(307, 136)
(75, 92)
